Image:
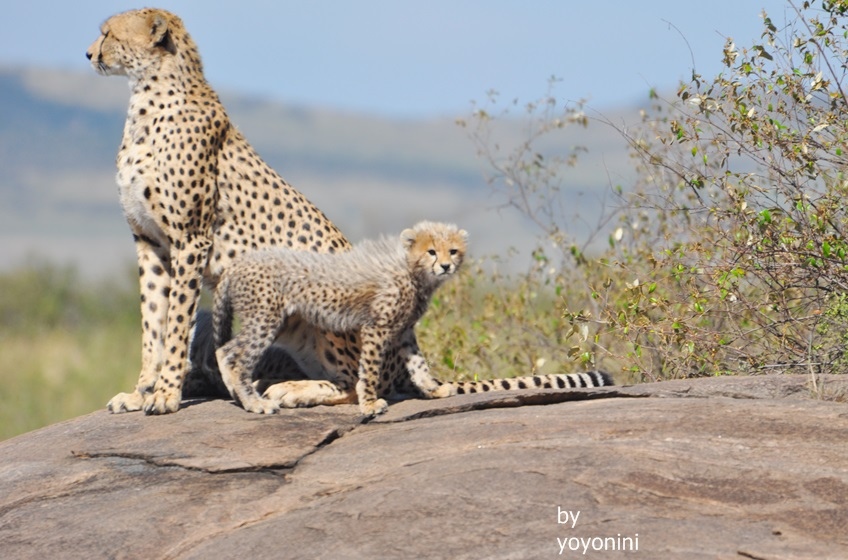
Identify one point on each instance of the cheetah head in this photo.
(434, 250)
(135, 42)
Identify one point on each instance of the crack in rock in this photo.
(177, 462)
(330, 438)
(169, 463)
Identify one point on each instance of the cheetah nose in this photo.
(88, 55)
(446, 267)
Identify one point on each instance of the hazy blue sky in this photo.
(417, 57)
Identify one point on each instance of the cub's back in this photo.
(370, 262)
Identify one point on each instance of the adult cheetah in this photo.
(194, 192)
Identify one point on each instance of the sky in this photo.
(417, 58)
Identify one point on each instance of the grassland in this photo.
(66, 346)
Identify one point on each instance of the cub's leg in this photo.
(416, 366)
(374, 341)
(154, 278)
(238, 358)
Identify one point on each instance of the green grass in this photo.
(66, 346)
(58, 374)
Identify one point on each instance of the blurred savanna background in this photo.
(675, 215)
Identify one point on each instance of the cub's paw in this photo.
(125, 402)
(161, 402)
(374, 408)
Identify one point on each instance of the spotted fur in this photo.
(194, 193)
(379, 289)
(196, 196)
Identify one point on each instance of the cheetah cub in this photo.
(381, 288)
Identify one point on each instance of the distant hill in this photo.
(59, 133)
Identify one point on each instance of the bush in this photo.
(741, 195)
(728, 254)
(486, 324)
(483, 325)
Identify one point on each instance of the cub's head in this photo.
(134, 43)
(434, 250)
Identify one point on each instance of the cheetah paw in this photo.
(125, 402)
(161, 402)
(374, 408)
(284, 396)
(259, 405)
(446, 390)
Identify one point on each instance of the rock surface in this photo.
(717, 468)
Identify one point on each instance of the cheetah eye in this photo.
(432, 252)
(453, 252)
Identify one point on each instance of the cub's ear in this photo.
(160, 34)
(463, 234)
(407, 238)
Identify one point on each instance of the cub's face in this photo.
(130, 42)
(436, 250)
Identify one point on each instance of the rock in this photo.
(749, 467)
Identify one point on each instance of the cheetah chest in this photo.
(136, 185)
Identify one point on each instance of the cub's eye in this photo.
(432, 252)
(453, 251)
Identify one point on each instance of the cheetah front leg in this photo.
(374, 340)
(188, 259)
(154, 279)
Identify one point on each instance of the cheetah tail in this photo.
(552, 381)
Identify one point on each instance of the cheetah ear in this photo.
(161, 35)
(407, 238)
(463, 234)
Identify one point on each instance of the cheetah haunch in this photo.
(379, 288)
(194, 192)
